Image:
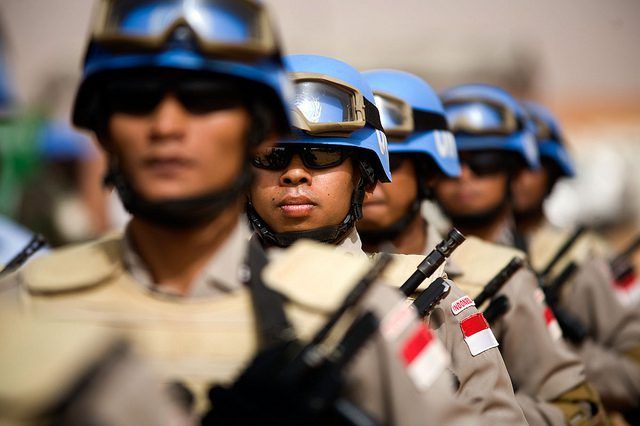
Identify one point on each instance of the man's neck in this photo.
(175, 257)
(489, 231)
(413, 239)
(527, 223)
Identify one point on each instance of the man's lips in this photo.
(167, 165)
(297, 206)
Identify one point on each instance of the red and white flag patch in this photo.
(424, 357)
(461, 304)
(628, 289)
(477, 334)
(552, 323)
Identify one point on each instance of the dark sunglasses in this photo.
(313, 157)
(485, 163)
(140, 96)
(424, 166)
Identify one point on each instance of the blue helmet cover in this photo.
(521, 142)
(439, 145)
(553, 148)
(367, 139)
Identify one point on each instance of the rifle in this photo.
(493, 287)
(496, 309)
(621, 265)
(572, 327)
(432, 262)
(35, 244)
(431, 296)
(291, 383)
(563, 250)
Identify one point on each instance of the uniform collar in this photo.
(220, 275)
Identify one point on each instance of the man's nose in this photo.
(168, 120)
(295, 173)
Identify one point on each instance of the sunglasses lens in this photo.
(205, 96)
(274, 158)
(322, 158)
(133, 97)
(486, 163)
(395, 161)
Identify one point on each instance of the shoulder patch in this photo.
(461, 304)
(424, 357)
(315, 275)
(479, 261)
(74, 267)
(477, 334)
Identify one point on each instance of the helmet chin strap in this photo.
(376, 237)
(181, 213)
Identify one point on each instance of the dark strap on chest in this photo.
(272, 323)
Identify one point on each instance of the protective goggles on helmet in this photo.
(482, 117)
(326, 106)
(313, 157)
(399, 119)
(227, 28)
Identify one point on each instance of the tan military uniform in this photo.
(482, 379)
(71, 373)
(612, 354)
(549, 379)
(203, 340)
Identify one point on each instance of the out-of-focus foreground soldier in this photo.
(494, 142)
(181, 95)
(312, 184)
(421, 148)
(69, 374)
(611, 353)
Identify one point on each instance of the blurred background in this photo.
(580, 58)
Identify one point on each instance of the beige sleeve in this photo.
(379, 383)
(614, 331)
(483, 379)
(540, 367)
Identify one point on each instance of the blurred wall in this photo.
(580, 57)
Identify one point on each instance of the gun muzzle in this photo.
(432, 262)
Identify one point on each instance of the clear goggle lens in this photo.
(216, 22)
(480, 117)
(322, 103)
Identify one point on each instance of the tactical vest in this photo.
(195, 342)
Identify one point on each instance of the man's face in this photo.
(299, 198)
(529, 189)
(472, 193)
(390, 201)
(170, 152)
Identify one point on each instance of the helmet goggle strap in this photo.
(148, 25)
(545, 133)
(327, 106)
(477, 116)
(399, 119)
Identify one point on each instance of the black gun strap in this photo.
(272, 323)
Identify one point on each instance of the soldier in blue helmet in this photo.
(312, 185)
(495, 140)
(184, 96)
(422, 149)
(610, 353)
